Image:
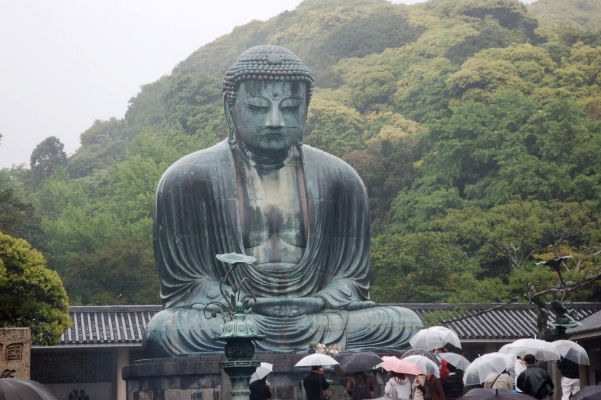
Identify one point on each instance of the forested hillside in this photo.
(476, 130)
(579, 13)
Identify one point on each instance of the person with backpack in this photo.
(452, 385)
(360, 386)
(534, 381)
(398, 386)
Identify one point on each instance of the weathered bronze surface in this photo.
(302, 213)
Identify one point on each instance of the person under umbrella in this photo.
(315, 383)
(570, 377)
(452, 385)
(360, 386)
(259, 387)
(486, 367)
(398, 386)
(535, 381)
(499, 381)
(572, 355)
(431, 388)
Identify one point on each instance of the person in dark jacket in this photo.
(259, 390)
(432, 387)
(452, 385)
(314, 383)
(570, 377)
(534, 381)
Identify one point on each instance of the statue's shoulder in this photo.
(327, 162)
(201, 164)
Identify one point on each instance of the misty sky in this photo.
(65, 63)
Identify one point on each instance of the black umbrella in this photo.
(356, 362)
(495, 394)
(588, 393)
(23, 389)
(422, 352)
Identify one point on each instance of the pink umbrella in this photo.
(401, 366)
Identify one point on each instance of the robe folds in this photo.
(197, 216)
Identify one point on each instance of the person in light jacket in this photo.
(398, 384)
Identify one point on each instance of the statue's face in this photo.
(269, 116)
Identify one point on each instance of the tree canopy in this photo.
(31, 295)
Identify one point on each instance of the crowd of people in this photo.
(527, 376)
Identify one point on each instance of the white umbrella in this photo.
(434, 337)
(456, 360)
(540, 349)
(261, 372)
(572, 351)
(316, 359)
(425, 364)
(481, 368)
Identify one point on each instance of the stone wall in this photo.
(201, 378)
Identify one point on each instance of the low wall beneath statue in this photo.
(201, 378)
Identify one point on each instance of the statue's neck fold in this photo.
(271, 162)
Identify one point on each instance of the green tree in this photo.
(30, 294)
(121, 273)
(415, 268)
(47, 157)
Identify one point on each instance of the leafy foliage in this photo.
(31, 295)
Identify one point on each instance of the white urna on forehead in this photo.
(268, 64)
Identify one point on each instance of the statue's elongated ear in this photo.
(232, 138)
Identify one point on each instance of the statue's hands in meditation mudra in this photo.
(302, 213)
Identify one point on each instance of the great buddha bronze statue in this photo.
(301, 212)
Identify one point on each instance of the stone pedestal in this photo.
(201, 378)
(15, 353)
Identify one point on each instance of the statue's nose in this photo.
(274, 118)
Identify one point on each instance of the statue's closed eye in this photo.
(257, 103)
(291, 102)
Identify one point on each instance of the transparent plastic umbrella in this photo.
(261, 372)
(481, 368)
(434, 337)
(456, 360)
(540, 349)
(316, 359)
(572, 351)
(422, 352)
(425, 364)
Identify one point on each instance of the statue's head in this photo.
(266, 96)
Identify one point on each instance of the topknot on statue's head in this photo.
(268, 63)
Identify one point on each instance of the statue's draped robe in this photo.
(197, 216)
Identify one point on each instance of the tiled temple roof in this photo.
(122, 325)
(511, 322)
(590, 324)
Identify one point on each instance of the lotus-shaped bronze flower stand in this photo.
(238, 333)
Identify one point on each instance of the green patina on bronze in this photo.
(301, 213)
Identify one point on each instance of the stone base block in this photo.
(201, 378)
